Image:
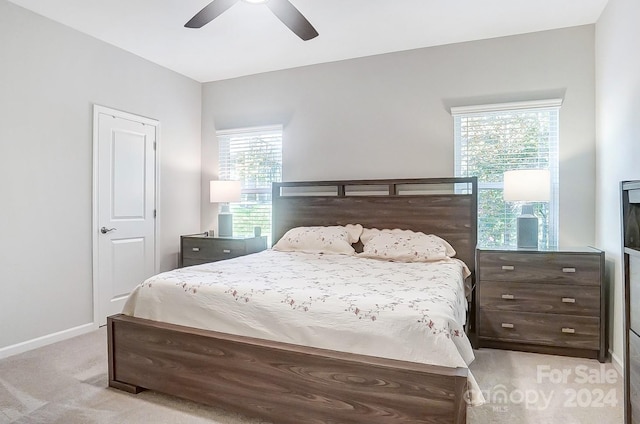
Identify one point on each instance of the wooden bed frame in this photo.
(294, 384)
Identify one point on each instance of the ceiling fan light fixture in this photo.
(256, 1)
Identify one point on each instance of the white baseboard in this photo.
(617, 362)
(46, 340)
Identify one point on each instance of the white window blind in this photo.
(254, 157)
(492, 139)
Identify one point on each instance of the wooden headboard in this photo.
(446, 207)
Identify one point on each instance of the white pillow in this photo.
(333, 240)
(404, 246)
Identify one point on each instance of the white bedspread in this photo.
(406, 311)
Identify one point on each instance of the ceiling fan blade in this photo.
(209, 13)
(292, 18)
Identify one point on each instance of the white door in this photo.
(124, 207)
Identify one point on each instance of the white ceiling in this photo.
(249, 39)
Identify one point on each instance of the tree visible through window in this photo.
(254, 157)
(490, 140)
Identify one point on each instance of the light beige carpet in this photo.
(66, 383)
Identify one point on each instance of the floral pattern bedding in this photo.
(407, 311)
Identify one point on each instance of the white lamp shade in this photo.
(224, 191)
(527, 185)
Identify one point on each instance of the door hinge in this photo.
(155, 213)
(155, 145)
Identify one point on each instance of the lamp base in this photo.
(527, 231)
(225, 225)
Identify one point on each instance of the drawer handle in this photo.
(226, 251)
(508, 267)
(568, 270)
(568, 300)
(507, 325)
(568, 330)
(508, 296)
(195, 249)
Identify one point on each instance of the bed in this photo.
(295, 383)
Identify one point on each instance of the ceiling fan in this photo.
(283, 9)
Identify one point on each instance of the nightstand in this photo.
(198, 249)
(546, 301)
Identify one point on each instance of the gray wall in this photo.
(50, 77)
(388, 115)
(618, 130)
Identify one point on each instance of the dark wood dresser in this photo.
(546, 301)
(196, 249)
(630, 195)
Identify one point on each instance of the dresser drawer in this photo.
(560, 268)
(197, 261)
(204, 249)
(543, 329)
(634, 376)
(546, 298)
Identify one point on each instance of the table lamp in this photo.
(527, 185)
(223, 192)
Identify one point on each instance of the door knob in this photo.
(105, 230)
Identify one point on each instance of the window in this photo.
(492, 139)
(254, 157)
